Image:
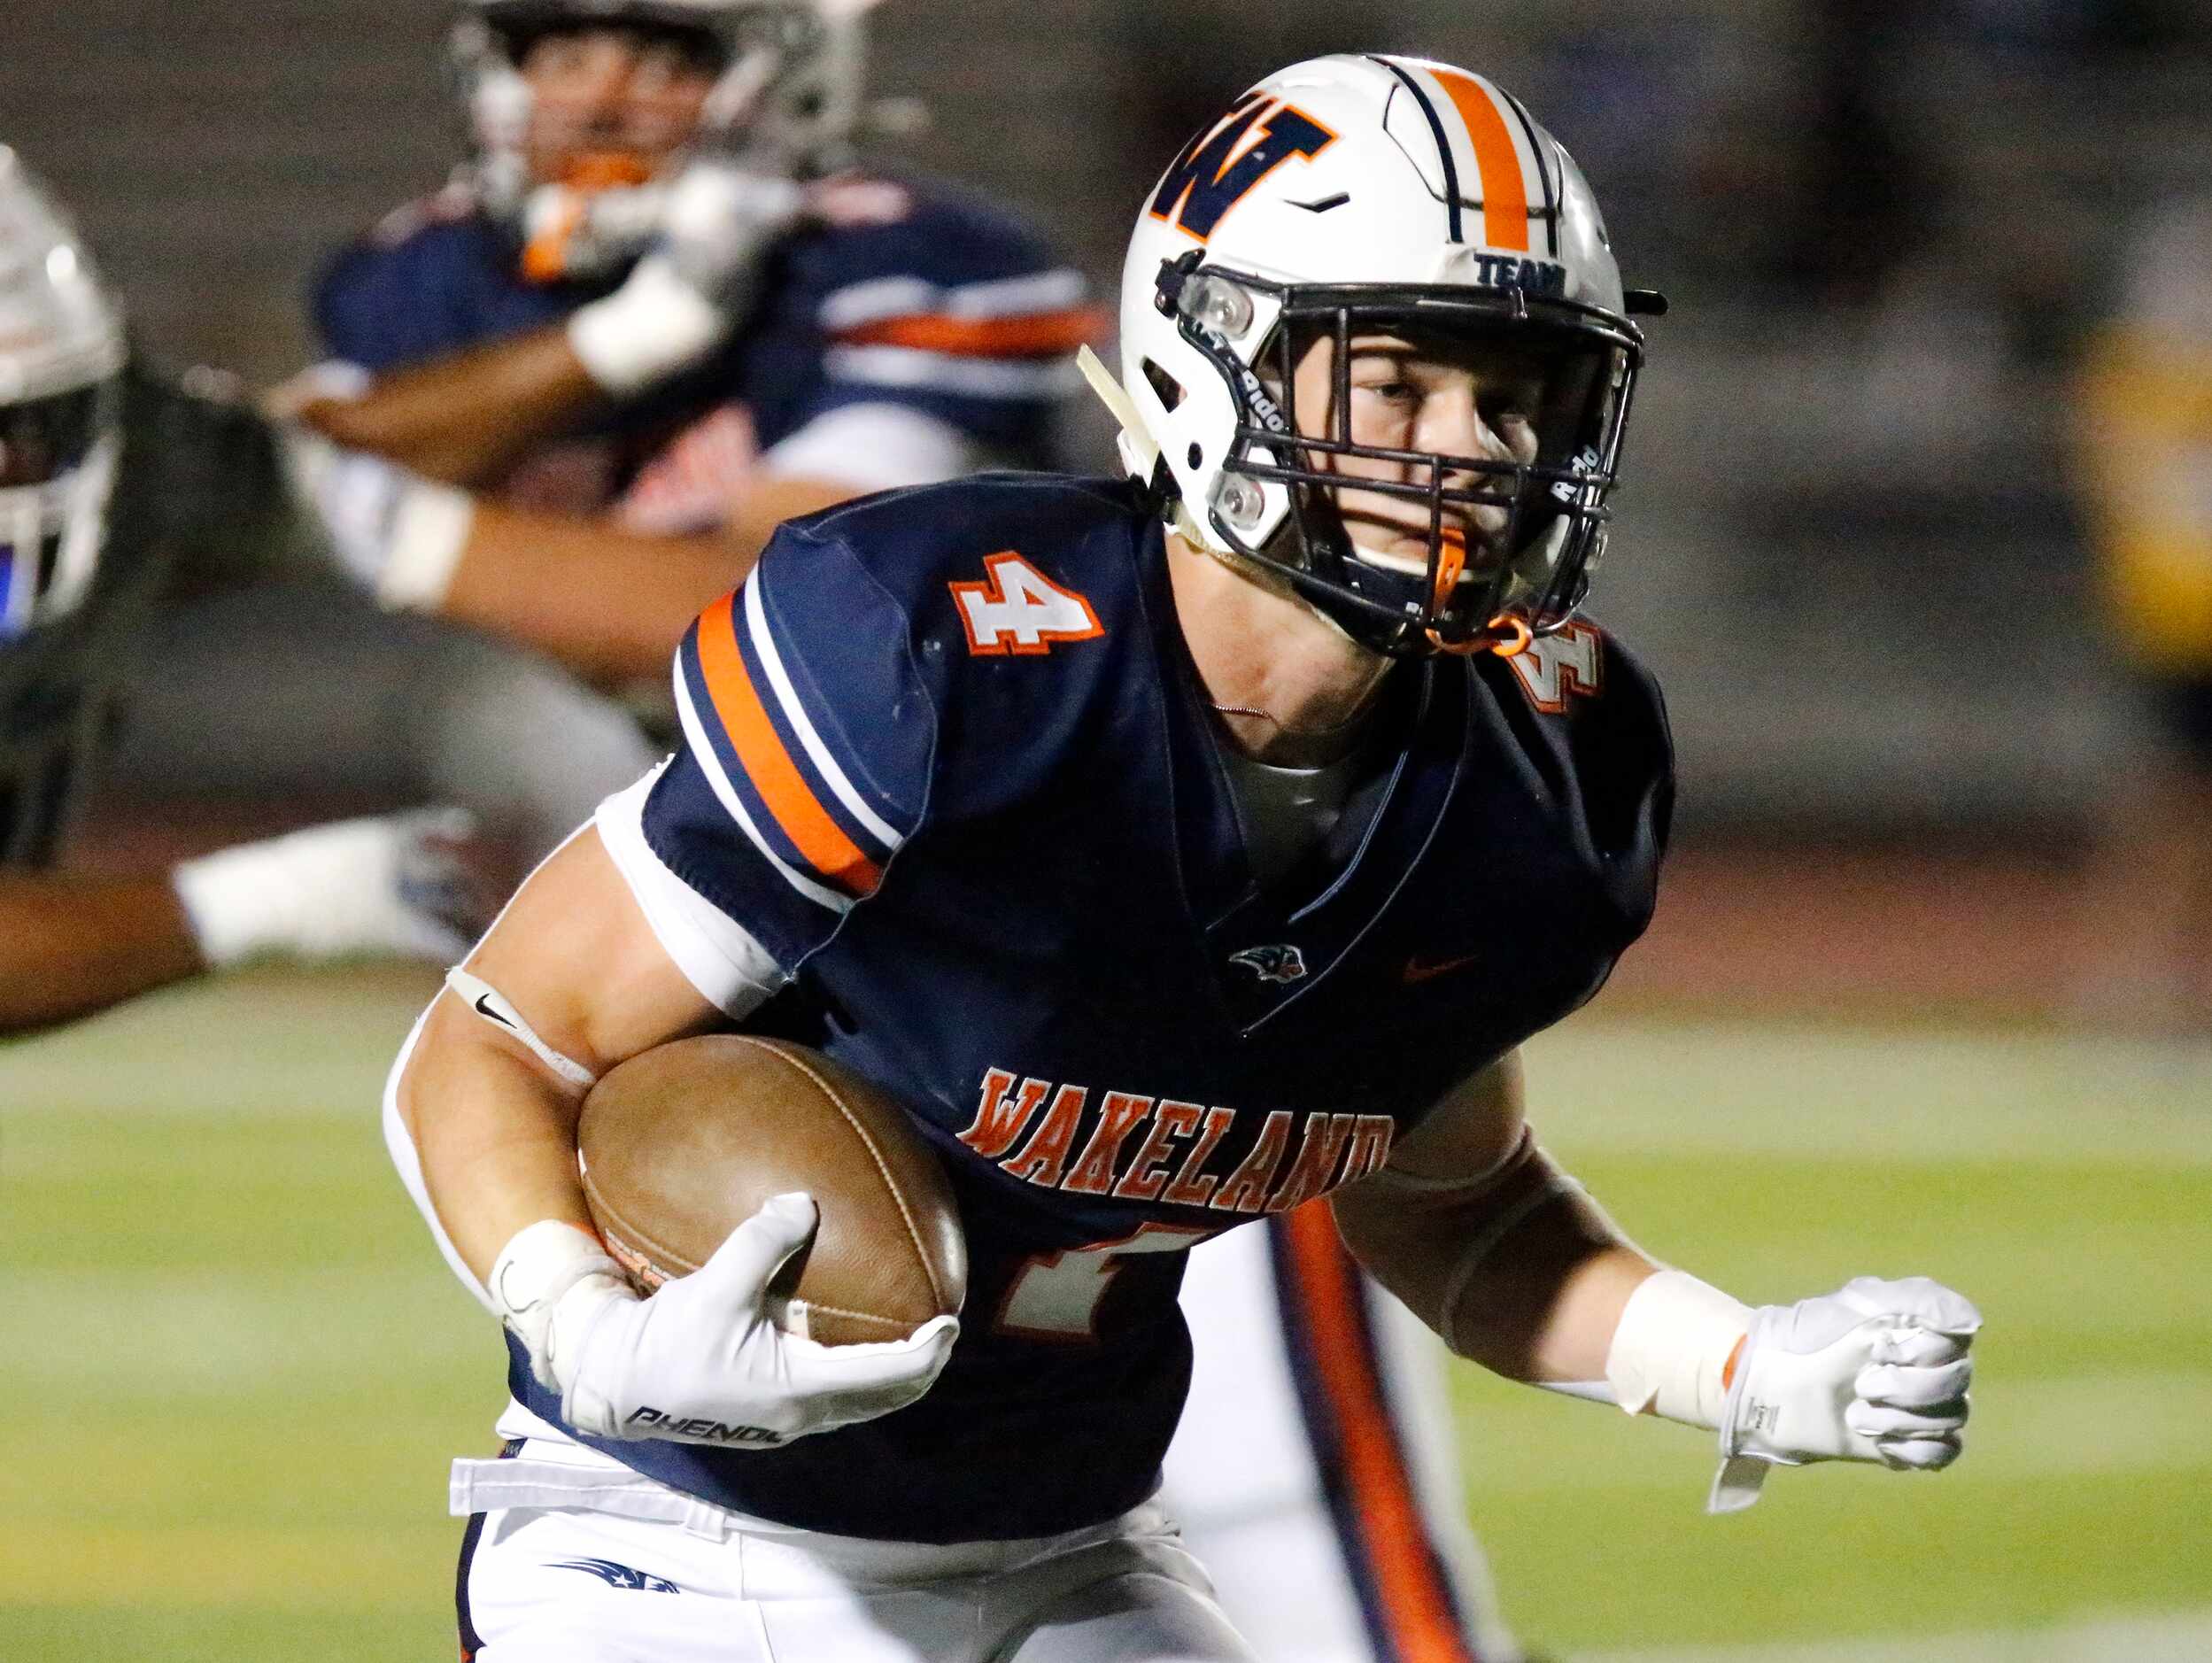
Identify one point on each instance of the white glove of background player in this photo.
(690, 293)
(1875, 1371)
(403, 884)
(702, 1361)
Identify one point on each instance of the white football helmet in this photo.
(1351, 194)
(61, 351)
(787, 92)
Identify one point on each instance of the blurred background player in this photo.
(114, 488)
(1316, 1471)
(659, 312)
(2146, 436)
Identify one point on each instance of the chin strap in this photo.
(1515, 639)
(1140, 450)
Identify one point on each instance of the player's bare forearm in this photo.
(1550, 1313)
(608, 602)
(1473, 1228)
(495, 1134)
(467, 418)
(70, 945)
(493, 1126)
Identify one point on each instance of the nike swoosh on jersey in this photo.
(1416, 971)
(484, 1008)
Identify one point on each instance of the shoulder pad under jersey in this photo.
(838, 699)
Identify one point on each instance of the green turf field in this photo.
(235, 1370)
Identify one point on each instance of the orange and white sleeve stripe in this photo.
(1009, 337)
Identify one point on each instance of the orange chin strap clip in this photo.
(1451, 559)
(1516, 641)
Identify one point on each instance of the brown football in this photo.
(681, 1144)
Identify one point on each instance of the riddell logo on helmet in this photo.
(1249, 383)
(1584, 463)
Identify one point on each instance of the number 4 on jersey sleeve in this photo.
(1017, 608)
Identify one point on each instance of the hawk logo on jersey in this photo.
(1017, 608)
(618, 1575)
(1218, 167)
(1553, 667)
(1276, 963)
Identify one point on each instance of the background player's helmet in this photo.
(1350, 194)
(61, 350)
(61, 357)
(788, 75)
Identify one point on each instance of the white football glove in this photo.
(702, 1361)
(400, 884)
(690, 293)
(1875, 1371)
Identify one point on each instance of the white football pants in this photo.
(574, 1579)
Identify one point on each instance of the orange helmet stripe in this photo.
(1504, 191)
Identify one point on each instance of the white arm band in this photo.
(492, 1005)
(718, 956)
(1670, 1350)
(393, 530)
(429, 532)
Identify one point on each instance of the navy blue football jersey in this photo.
(948, 759)
(900, 293)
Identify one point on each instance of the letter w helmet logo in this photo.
(1218, 167)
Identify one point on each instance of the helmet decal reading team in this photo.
(1350, 208)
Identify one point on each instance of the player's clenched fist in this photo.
(1877, 1371)
(685, 299)
(701, 1361)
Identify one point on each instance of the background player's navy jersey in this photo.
(948, 759)
(904, 294)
